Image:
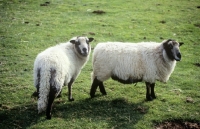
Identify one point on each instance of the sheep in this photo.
(134, 62)
(58, 66)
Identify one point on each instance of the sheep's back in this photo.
(124, 60)
(56, 58)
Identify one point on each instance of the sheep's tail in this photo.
(44, 89)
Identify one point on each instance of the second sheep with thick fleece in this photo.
(134, 62)
(57, 66)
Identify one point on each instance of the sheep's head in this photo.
(82, 45)
(172, 49)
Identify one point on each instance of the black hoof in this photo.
(149, 98)
(48, 117)
(154, 97)
(92, 95)
(104, 93)
(71, 99)
(35, 94)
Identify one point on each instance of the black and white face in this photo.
(172, 49)
(82, 45)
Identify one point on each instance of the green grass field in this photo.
(28, 27)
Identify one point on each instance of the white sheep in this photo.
(134, 62)
(58, 66)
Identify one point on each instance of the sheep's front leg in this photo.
(70, 98)
(60, 94)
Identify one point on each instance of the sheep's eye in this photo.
(77, 43)
(87, 41)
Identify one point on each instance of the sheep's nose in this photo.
(179, 55)
(84, 50)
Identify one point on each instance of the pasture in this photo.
(28, 27)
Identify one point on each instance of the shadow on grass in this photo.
(18, 117)
(115, 113)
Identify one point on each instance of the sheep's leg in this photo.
(70, 98)
(94, 86)
(36, 93)
(52, 95)
(59, 95)
(102, 88)
(152, 91)
(148, 91)
(38, 84)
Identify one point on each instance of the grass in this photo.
(27, 28)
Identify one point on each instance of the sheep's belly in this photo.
(128, 81)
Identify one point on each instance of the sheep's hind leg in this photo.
(52, 95)
(152, 91)
(148, 91)
(102, 88)
(94, 86)
(70, 98)
(36, 93)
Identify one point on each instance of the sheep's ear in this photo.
(73, 41)
(180, 43)
(91, 39)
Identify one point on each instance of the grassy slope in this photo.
(26, 28)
